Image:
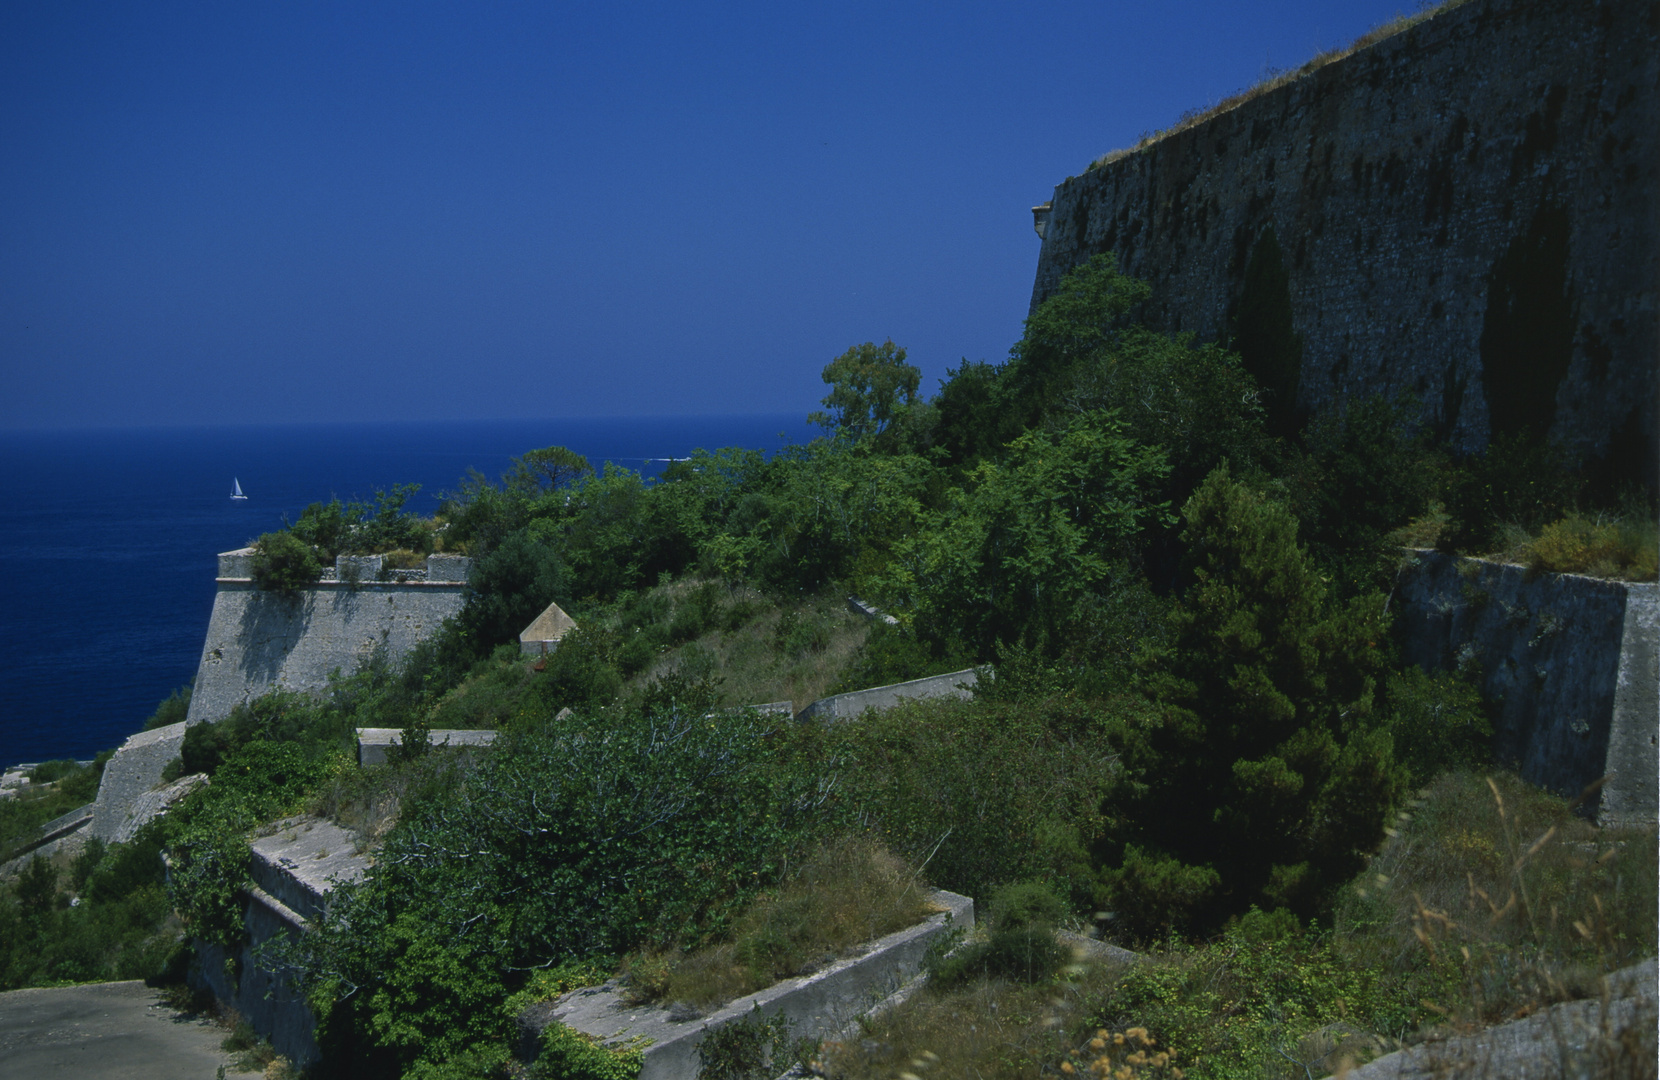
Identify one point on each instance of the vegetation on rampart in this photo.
(1192, 729)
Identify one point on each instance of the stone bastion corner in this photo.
(259, 641)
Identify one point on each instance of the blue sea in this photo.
(109, 537)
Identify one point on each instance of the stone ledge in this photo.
(374, 745)
(849, 706)
(816, 1005)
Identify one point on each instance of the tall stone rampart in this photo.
(1465, 212)
(258, 641)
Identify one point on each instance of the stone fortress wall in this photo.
(259, 641)
(1465, 212)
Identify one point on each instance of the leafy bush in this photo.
(1019, 953)
(754, 1048)
(284, 563)
(1515, 481)
(587, 837)
(508, 588)
(1014, 555)
(1438, 723)
(983, 793)
(1366, 473)
(567, 1054)
(207, 834)
(1026, 903)
(172, 709)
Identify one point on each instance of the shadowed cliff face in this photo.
(1527, 333)
(1264, 336)
(1466, 213)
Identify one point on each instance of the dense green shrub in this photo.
(1014, 555)
(1438, 723)
(983, 793)
(587, 837)
(508, 588)
(172, 709)
(207, 834)
(1366, 472)
(284, 563)
(1018, 953)
(1516, 481)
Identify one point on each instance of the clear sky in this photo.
(266, 212)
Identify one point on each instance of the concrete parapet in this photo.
(48, 839)
(135, 769)
(237, 565)
(294, 870)
(870, 611)
(374, 745)
(1569, 660)
(955, 684)
(357, 568)
(1631, 795)
(816, 1005)
(302, 859)
(454, 568)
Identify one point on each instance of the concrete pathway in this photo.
(105, 1031)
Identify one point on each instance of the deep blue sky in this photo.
(236, 212)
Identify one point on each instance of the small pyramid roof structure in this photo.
(551, 625)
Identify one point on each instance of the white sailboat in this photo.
(236, 489)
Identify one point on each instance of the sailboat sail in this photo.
(236, 486)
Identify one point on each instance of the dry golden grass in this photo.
(1195, 117)
(1500, 901)
(1623, 548)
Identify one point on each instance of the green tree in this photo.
(547, 469)
(869, 385)
(1020, 547)
(1272, 767)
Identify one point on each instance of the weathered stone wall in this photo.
(257, 641)
(852, 705)
(1465, 212)
(135, 769)
(1569, 661)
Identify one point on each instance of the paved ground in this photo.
(105, 1031)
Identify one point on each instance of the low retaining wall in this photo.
(1569, 660)
(47, 840)
(817, 1005)
(955, 684)
(1577, 1038)
(374, 744)
(293, 869)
